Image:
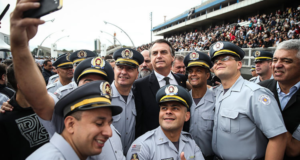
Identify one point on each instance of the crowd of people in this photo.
(261, 31)
(148, 105)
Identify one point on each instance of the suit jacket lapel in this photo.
(178, 80)
(274, 90)
(154, 86)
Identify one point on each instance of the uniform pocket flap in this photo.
(208, 116)
(229, 114)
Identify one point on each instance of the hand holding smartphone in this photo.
(46, 7)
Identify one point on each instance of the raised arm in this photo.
(30, 81)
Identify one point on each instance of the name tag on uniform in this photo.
(168, 158)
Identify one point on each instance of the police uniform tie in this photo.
(167, 79)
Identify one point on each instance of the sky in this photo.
(83, 20)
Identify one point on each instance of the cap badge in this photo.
(257, 53)
(171, 90)
(218, 46)
(68, 56)
(98, 63)
(194, 56)
(106, 89)
(127, 54)
(81, 54)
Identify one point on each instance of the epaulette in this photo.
(51, 85)
(186, 134)
(252, 86)
(252, 79)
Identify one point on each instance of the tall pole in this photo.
(121, 30)
(61, 38)
(45, 39)
(112, 36)
(151, 26)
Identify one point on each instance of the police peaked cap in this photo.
(174, 93)
(128, 56)
(80, 55)
(93, 95)
(262, 56)
(223, 47)
(95, 65)
(197, 59)
(63, 61)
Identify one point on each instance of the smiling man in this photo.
(263, 66)
(248, 123)
(162, 55)
(168, 141)
(198, 66)
(285, 87)
(87, 119)
(126, 72)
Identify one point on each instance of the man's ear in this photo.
(3, 77)
(187, 116)
(70, 123)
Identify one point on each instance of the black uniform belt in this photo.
(218, 158)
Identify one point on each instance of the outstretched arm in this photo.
(29, 79)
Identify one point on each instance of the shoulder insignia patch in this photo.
(264, 99)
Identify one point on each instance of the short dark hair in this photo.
(77, 115)
(2, 69)
(108, 57)
(11, 76)
(46, 62)
(163, 41)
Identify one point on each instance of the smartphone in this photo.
(46, 7)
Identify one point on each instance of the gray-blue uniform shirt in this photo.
(125, 121)
(113, 147)
(257, 79)
(57, 149)
(154, 145)
(54, 86)
(52, 79)
(64, 90)
(202, 121)
(245, 117)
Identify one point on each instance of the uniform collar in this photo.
(161, 77)
(162, 139)
(237, 86)
(208, 96)
(63, 146)
(297, 85)
(115, 92)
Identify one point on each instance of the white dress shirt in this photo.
(162, 82)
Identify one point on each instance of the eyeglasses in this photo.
(224, 59)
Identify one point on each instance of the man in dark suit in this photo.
(162, 55)
(285, 86)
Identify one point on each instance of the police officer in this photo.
(126, 72)
(76, 57)
(87, 118)
(247, 123)
(64, 70)
(263, 66)
(198, 66)
(253, 72)
(168, 141)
